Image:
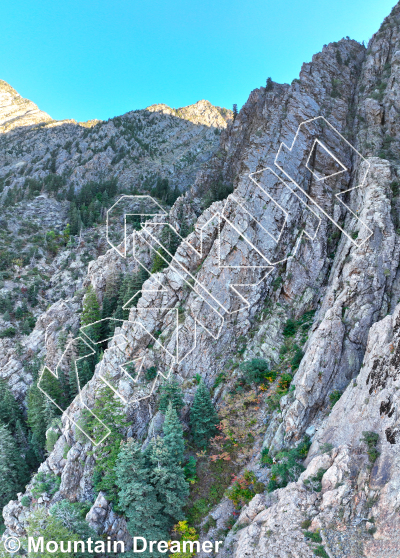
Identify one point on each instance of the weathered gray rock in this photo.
(352, 343)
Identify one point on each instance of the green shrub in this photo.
(314, 536)
(298, 355)
(45, 482)
(276, 283)
(219, 380)
(334, 397)
(290, 328)
(66, 450)
(51, 439)
(244, 488)
(371, 439)
(26, 501)
(284, 382)
(306, 524)
(150, 374)
(320, 551)
(190, 470)
(266, 459)
(315, 482)
(211, 522)
(288, 466)
(230, 522)
(199, 509)
(8, 332)
(256, 371)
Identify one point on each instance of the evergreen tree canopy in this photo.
(164, 192)
(90, 314)
(86, 374)
(41, 524)
(138, 497)
(173, 435)
(256, 371)
(169, 241)
(152, 485)
(168, 478)
(13, 470)
(10, 412)
(218, 191)
(37, 418)
(203, 417)
(159, 261)
(171, 391)
(72, 381)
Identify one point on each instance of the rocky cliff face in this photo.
(245, 274)
(37, 147)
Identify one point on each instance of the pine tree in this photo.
(269, 85)
(10, 412)
(143, 274)
(169, 241)
(137, 281)
(128, 298)
(113, 285)
(173, 435)
(36, 417)
(138, 497)
(50, 413)
(123, 294)
(13, 470)
(184, 231)
(171, 392)
(74, 219)
(118, 315)
(235, 111)
(63, 379)
(70, 193)
(24, 447)
(168, 477)
(106, 312)
(90, 314)
(26, 328)
(51, 386)
(86, 374)
(203, 417)
(72, 380)
(159, 261)
(173, 241)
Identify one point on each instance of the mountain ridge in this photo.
(325, 323)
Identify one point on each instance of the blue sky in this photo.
(100, 58)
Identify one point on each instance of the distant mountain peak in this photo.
(203, 112)
(15, 111)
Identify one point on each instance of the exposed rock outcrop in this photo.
(15, 111)
(351, 279)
